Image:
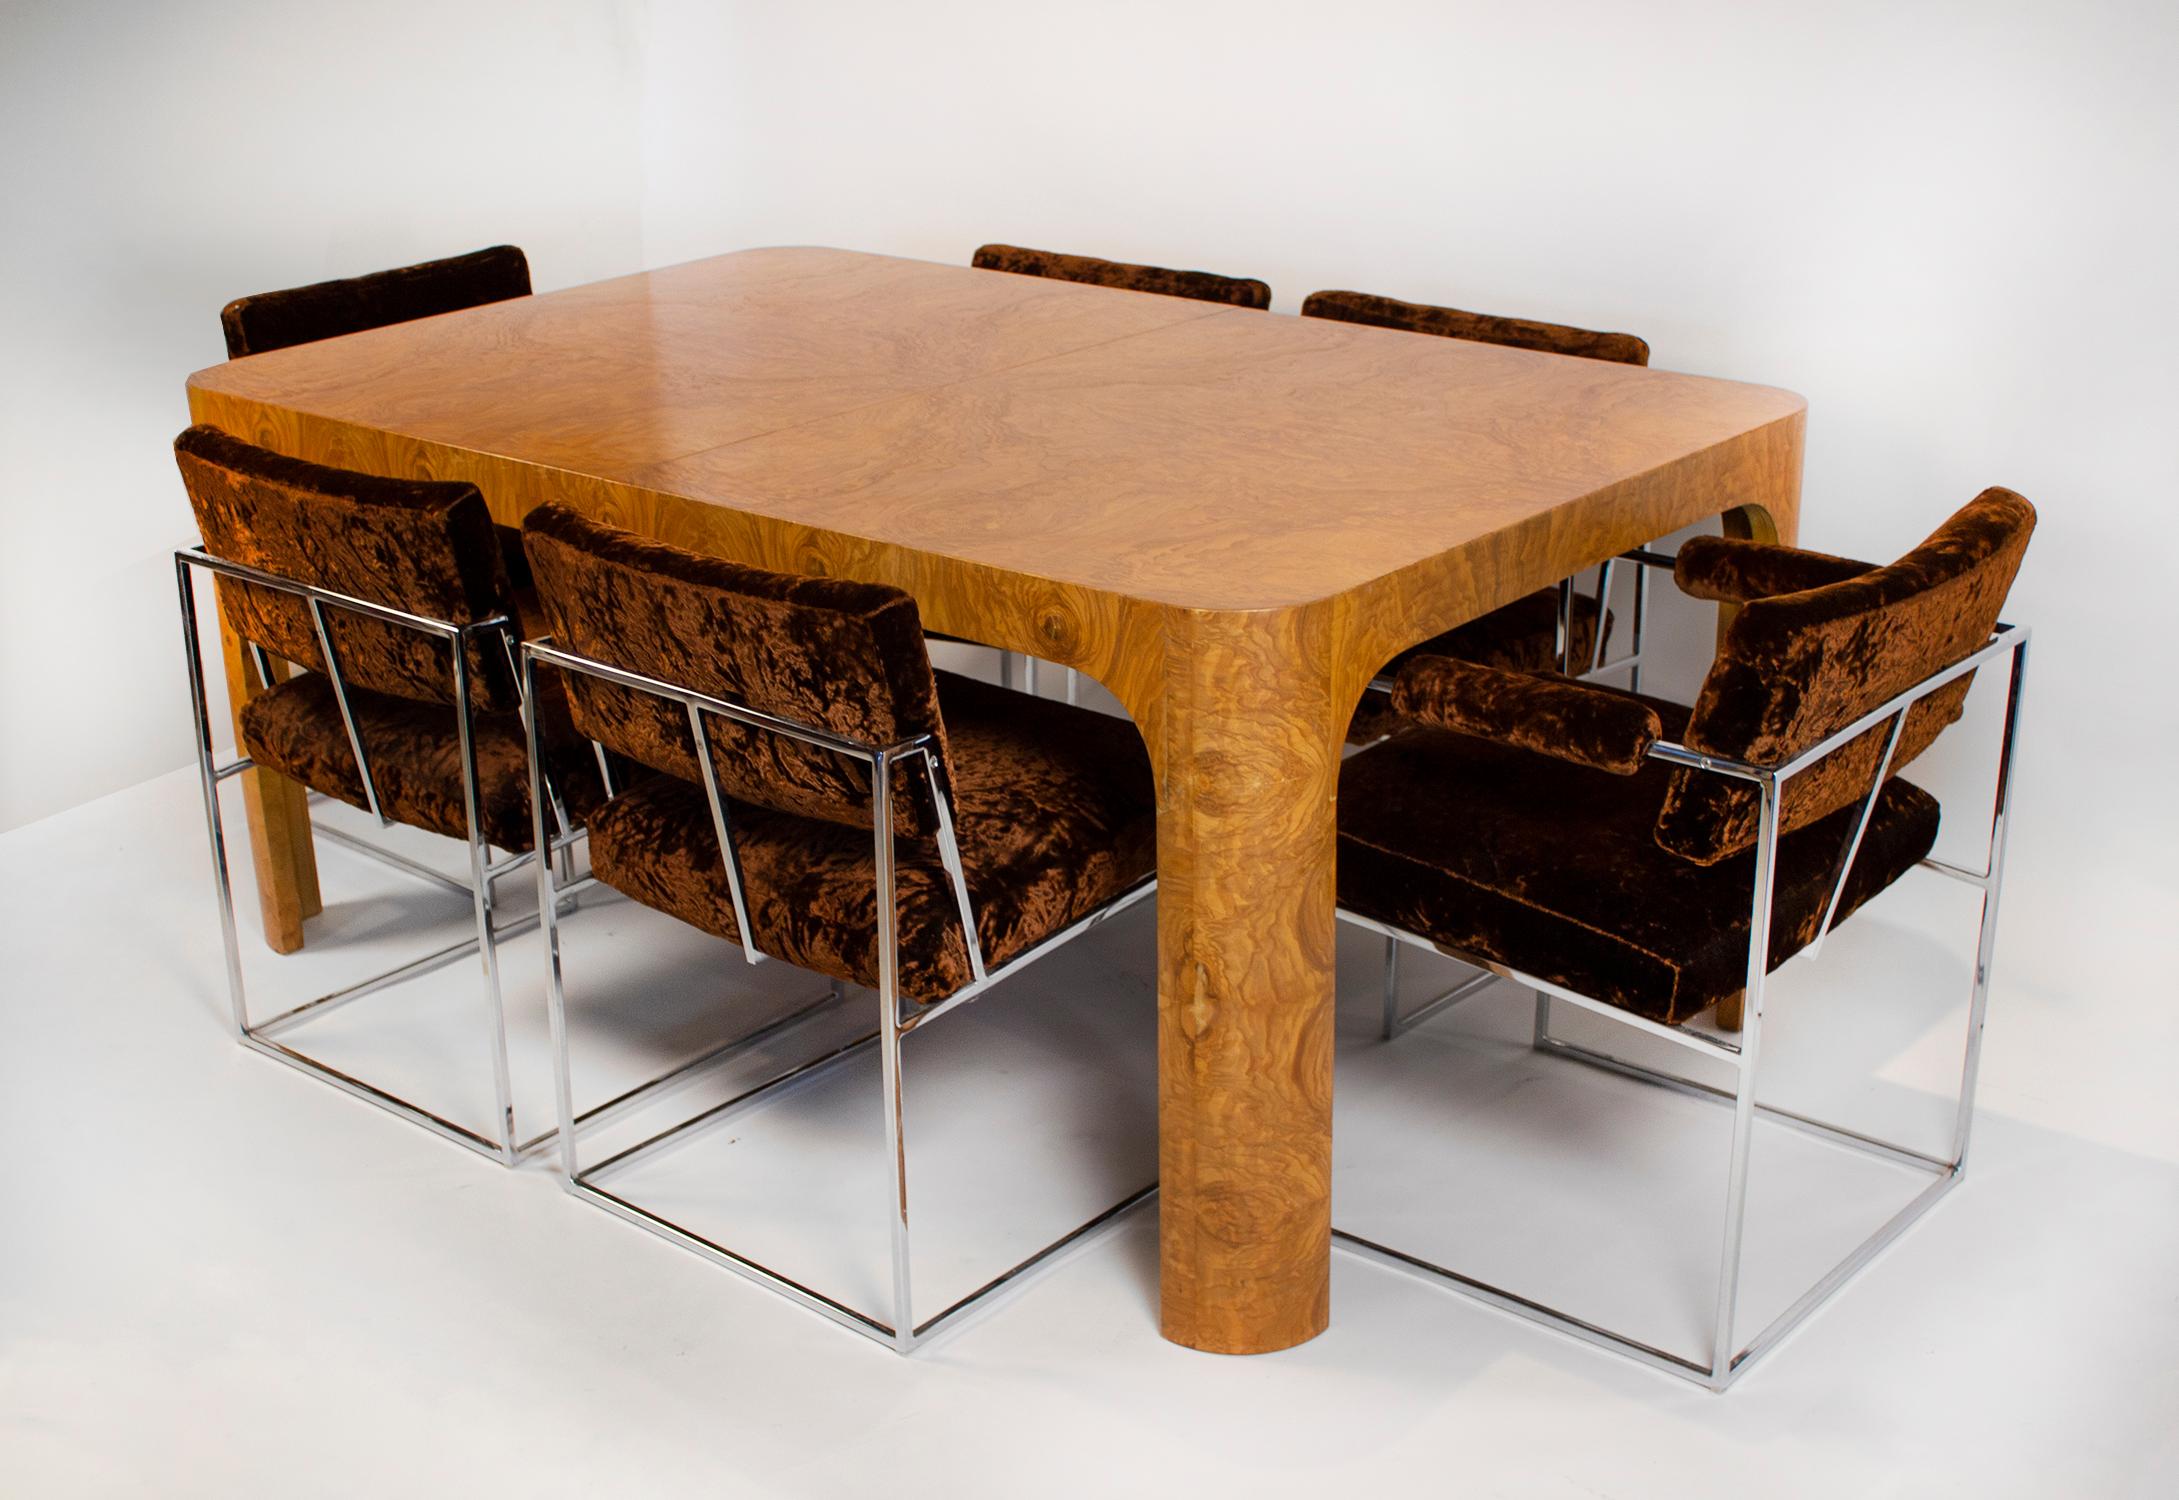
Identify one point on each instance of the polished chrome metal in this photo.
(208, 781)
(1729, 1358)
(1852, 846)
(1751, 1036)
(262, 663)
(1396, 1024)
(502, 1144)
(385, 856)
(1603, 614)
(1391, 1020)
(347, 712)
(1992, 885)
(899, 1328)
(1695, 1088)
(969, 993)
(949, 855)
(729, 856)
(1700, 1041)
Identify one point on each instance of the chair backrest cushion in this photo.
(1201, 286)
(827, 653)
(327, 309)
(422, 546)
(1482, 328)
(1796, 668)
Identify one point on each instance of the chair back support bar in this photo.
(1482, 328)
(328, 309)
(426, 549)
(833, 655)
(1198, 286)
(1796, 668)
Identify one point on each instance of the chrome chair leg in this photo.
(1396, 1024)
(502, 1143)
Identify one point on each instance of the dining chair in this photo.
(813, 791)
(1551, 627)
(392, 598)
(1199, 286)
(1652, 864)
(327, 309)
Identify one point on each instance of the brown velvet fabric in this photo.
(415, 755)
(1522, 860)
(1732, 570)
(327, 309)
(1578, 722)
(1796, 667)
(424, 547)
(1483, 328)
(825, 652)
(1201, 286)
(1519, 637)
(1056, 814)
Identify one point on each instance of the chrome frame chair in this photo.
(903, 1333)
(1728, 1358)
(506, 1146)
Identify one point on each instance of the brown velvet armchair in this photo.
(810, 789)
(1539, 632)
(1652, 862)
(391, 599)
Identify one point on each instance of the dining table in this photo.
(1230, 518)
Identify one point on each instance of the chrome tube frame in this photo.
(1645, 559)
(502, 1144)
(897, 1327)
(1728, 1359)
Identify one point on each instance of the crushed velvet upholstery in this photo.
(826, 652)
(421, 546)
(1733, 570)
(1054, 807)
(1056, 816)
(327, 309)
(1483, 328)
(1519, 637)
(415, 751)
(1520, 859)
(1579, 722)
(427, 548)
(1634, 888)
(1796, 667)
(1201, 286)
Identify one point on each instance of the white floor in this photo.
(221, 1277)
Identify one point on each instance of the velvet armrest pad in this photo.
(1732, 570)
(1556, 716)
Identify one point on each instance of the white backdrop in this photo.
(1949, 226)
(157, 161)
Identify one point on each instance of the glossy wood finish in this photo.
(1229, 518)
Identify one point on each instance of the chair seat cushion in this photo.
(1521, 860)
(1519, 637)
(1056, 814)
(415, 754)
